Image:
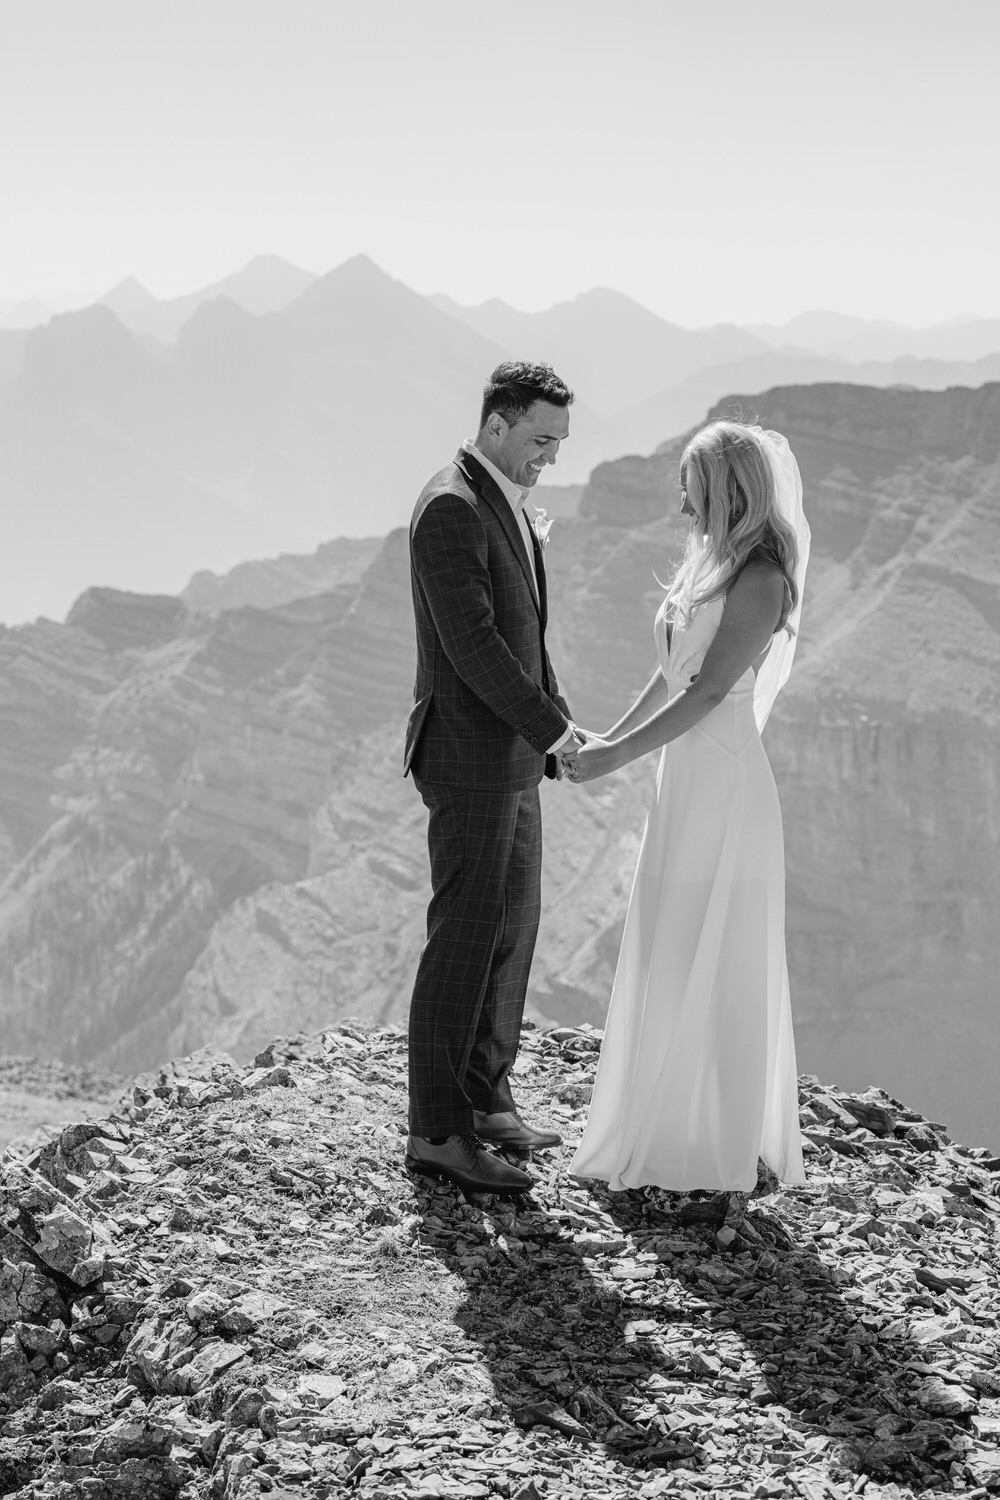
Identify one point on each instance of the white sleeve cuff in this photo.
(563, 740)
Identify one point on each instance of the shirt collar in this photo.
(512, 493)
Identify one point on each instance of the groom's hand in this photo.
(566, 757)
(566, 754)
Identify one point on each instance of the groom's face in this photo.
(523, 450)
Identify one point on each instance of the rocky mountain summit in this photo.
(204, 834)
(231, 1288)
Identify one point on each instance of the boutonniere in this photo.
(541, 525)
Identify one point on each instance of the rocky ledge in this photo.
(231, 1288)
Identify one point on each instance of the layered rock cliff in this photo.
(181, 776)
(206, 835)
(279, 580)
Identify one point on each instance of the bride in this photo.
(696, 1078)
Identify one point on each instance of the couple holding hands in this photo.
(696, 1078)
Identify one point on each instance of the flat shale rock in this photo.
(232, 1288)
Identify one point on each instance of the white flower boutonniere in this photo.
(541, 525)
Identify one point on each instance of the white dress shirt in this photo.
(515, 497)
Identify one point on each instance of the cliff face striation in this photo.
(182, 760)
(205, 835)
(279, 580)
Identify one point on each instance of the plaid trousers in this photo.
(468, 997)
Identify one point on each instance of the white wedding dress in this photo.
(696, 1078)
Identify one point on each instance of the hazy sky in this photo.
(716, 162)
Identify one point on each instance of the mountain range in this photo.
(859, 340)
(142, 440)
(204, 835)
(267, 283)
(252, 435)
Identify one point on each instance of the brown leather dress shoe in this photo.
(510, 1130)
(460, 1159)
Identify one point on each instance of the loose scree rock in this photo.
(230, 1287)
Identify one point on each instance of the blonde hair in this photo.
(729, 481)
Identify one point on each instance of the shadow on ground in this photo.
(650, 1338)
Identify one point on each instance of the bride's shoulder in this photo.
(760, 564)
(758, 586)
(759, 573)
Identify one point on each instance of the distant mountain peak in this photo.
(360, 265)
(359, 275)
(130, 284)
(87, 328)
(270, 262)
(220, 316)
(127, 294)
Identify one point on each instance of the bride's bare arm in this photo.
(753, 609)
(652, 698)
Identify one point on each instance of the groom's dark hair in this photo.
(516, 385)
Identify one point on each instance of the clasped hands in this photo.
(586, 756)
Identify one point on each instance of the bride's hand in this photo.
(595, 758)
(566, 756)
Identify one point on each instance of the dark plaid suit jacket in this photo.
(486, 703)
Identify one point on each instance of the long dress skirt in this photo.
(697, 1077)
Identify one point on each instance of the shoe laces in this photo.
(470, 1146)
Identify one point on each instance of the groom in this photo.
(486, 722)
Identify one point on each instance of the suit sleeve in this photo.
(555, 694)
(449, 550)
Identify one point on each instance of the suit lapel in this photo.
(488, 491)
(543, 591)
